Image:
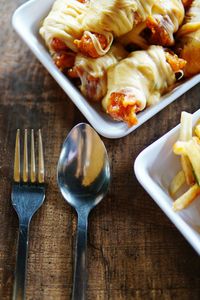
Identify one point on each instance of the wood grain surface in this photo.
(134, 251)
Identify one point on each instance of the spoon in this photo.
(83, 175)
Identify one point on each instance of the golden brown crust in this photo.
(64, 60)
(159, 35)
(85, 44)
(58, 45)
(123, 107)
(175, 62)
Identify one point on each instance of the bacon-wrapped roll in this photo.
(159, 27)
(93, 72)
(60, 28)
(138, 81)
(107, 19)
(188, 36)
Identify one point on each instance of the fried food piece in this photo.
(58, 45)
(177, 183)
(109, 19)
(93, 72)
(90, 84)
(64, 60)
(123, 107)
(159, 35)
(63, 25)
(138, 81)
(191, 53)
(116, 16)
(175, 62)
(167, 16)
(188, 40)
(187, 3)
(86, 44)
(158, 27)
(63, 57)
(187, 198)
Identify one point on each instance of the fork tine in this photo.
(16, 174)
(25, 164)
(33, 172)
(26, 200)
(40, 159)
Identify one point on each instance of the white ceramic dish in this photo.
(154, 168)
(26, 21)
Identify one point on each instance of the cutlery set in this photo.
(83, 175)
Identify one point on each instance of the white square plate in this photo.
(26, 21)
(155, 167)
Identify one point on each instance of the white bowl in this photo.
(154, 168)
(26, 21)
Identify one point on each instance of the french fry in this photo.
(187, 198)
(192, 150)
(188, 147)
(179, 148)
(186, 127)
(187, 169)
(177, 182)
(197, 130)
(186, 135)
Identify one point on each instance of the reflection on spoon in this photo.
(83, 175)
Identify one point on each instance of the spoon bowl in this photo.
(83, 175)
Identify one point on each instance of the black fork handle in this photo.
(21, 262)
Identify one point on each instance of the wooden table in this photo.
(134, 251)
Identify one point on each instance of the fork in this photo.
(28, 193)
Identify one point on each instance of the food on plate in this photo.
(186, 135)
(136, 38)
(114, 51)
(138, 81)
(93, 72)
(159, 26)
(187, 3)
(62, 26)
(106, 19)
(187, 198)
(94, 44)
(177, 182)
(188, 38)
(188, 148)
(165, 20)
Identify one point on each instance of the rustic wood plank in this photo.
(134, 251)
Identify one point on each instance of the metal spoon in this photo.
(83, 175)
